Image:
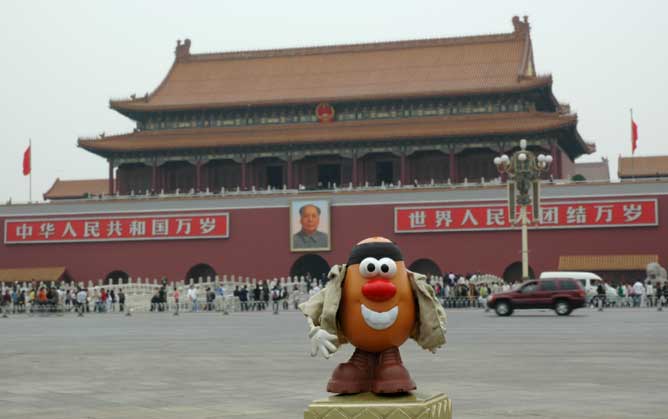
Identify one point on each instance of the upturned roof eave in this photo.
(101, 148)
(130, 107)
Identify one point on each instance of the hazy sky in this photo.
(64, 60)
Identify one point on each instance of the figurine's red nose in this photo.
(379, 290)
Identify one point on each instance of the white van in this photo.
(589, 282)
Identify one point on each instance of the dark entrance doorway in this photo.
(201, 270)
(384, 172)
(426, 267)
(117, 277)
(310, 265)
(275, 176)
(513, 273)
(328, 175)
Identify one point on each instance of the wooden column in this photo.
(163, 178)
(198, 176)
(296, 178)
(402, 169)
(111, 177)
(354, 176)
(289, 170)
(453, 166)
(243, 174)
(362, 176)
(252, 175)
(154, 177)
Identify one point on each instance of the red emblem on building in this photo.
(324, 112)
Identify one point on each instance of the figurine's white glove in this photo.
(321, 341)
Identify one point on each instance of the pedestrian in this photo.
(155, 301)
(265, 295)
(82, 297)
(650, 294)
(22, 301)
(192, 298)
(638, 292)
(176, 296)
(243, 298)
(600, 294)
(68, 300)
(659, 297)
(210, 298)
(275, 298)
(111, 301)
(104, 297)
(621, 294)
(5, 303)
(483, 292)
(162, 296)
(220, 296)
(285, 295)
(15, 299)
(121, 300)
(257, 297)
(664, 295)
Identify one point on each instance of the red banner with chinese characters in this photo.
(169, 226)
(572, 214)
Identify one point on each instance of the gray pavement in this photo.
(256, 365)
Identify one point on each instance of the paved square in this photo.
(256, 365)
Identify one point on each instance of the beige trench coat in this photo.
(429, 329)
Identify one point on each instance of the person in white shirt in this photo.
(82, 296)
(192, 297)
(639, 293)
(650, 295)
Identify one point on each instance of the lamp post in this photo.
(523, 170)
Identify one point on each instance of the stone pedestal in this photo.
(372, 406)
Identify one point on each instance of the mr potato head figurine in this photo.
(374, 303)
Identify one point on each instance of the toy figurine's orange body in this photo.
(377, 314)
(355, 328)
(375, 303)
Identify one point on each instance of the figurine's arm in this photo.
(321, 340)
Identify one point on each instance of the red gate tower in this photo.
(263, 150)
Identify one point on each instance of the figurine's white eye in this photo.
(369, 267)
(388, 267)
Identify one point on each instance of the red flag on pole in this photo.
(634, 136)
(26, 162)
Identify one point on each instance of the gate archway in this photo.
(513, 273)
(312, 264)
(201, 270)
(426, 267)
(117, 277)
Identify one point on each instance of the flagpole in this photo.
(30, 175)
(633, 175)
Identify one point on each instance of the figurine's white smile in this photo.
(379, 321)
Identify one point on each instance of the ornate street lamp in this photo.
(523, 170)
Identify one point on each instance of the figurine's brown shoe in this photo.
(391, 376)
(354, 376)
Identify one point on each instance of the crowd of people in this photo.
(642, 294)
(454, 290)
(50, 298)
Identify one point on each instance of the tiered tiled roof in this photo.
(446, 66)
(593, 170)
(52, 273)
(646, 166)
(73, 189)
(606, 262)
(347, 131)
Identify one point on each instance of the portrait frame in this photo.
(321, 240)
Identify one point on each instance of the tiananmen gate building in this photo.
(394, 139)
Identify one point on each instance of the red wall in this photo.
(259, 246)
